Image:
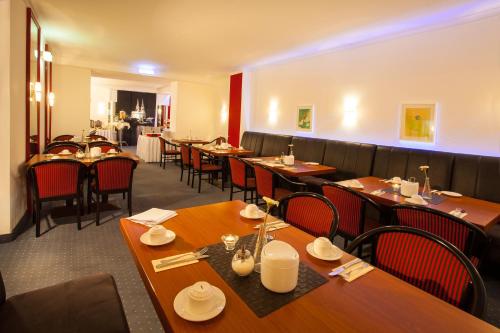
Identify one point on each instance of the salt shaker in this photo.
(243, 262)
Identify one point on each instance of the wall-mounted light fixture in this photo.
(38, 91)
(224, 113)
(273, 112)
(51, 98)
(350, 111)
(47, 56)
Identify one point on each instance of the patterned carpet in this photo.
(64, 253)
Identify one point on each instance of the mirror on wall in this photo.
(33, 85)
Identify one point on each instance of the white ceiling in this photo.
(199, 39)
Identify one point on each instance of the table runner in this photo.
(260, 300)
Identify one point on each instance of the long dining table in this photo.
(298, 169)
(482, 213)
(375, 302)
(86, 160)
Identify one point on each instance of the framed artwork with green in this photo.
(305, 118)
(418, 123)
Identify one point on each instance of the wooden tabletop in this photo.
(376, 302)
(190, 141)
(482, 213)
(87, 161)
(299, 169)
(226, 152)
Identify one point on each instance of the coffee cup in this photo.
(322, 246)
(65, 151)
(200, 297)
(251, 210)
(157, 232)
(112, 151)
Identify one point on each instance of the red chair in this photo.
(200, 167)
(186, 161)
(427, 262)
(57, 147)
(269, 183)
(54, 180)
(64, 137)
(218, 140)
(168, 150)
(111, 175)
(351, 206)
(240, 178)
(311, 212)
(468, 238)
(105, 146)
(95, 137)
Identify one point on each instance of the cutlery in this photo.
(175, 262)
(194, 254)
(436, 191)
(342, 268)
(350, 272)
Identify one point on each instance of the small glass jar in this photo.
(243, 262)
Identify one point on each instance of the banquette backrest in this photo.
(352, 160)
(275, 144)
(253, 141)
(308, 149)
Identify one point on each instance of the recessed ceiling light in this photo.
(146, 70)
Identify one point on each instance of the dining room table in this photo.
(225, 152)
(189, 142)
(482, 213)
(375, 302)
(298, 169)
(85, 160)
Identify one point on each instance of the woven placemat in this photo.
(260, 300)
(436, 199)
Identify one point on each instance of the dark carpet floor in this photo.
(64, 253)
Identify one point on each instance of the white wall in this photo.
(458, 67)
(70, 114)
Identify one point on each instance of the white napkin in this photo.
(153, 216)
(377, 192)
(311, 163)
(458, 214)
(356, 271)
(278, 224)
(418, 199)
(174, 265)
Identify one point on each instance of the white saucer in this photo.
(180, 306)
(61, 153)
(336, 255)
(255, 159)
(410, 200)
(451, 194)
(112, 152)
(146, 239)
(261, 214)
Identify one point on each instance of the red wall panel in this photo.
(233, 130)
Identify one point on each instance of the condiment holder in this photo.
(243, 262)
(279, 269)
(230, 241)
(409, 188)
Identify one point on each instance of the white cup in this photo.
(251, 210)
(65, 151)
(157, 232)
(200, 297)
(322, 246)
(112, 151)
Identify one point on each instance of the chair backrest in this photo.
(264, 180)
(2, 290)
(238, 171)
(56, 148)
(56, 178)
(428, 262)
(196, 154)
(218, 140)
(186, 155)
(311, 212)
(114, 173)
(64, 137)
(350, 205)
(468, 238)
(104, 145)
(163, 144)
(94, 137)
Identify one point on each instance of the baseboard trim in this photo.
(23, 225)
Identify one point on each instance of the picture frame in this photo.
(418, 122)
(305, 118)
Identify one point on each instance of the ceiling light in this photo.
(146, 70)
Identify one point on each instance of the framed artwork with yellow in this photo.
(305, 118)
(418, 123)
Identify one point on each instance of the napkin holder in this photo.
(95, 152)
(279, 267)
(289, 160)
(409, 188)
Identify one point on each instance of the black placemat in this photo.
(250, 289)
(436, 199)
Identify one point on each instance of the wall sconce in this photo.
(224, 113)
(38, 91)
(273, 112)
(350, 111)
(100, 108)
(52, 98)
(47, 56)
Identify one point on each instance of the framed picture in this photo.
(305, 118)
(418, 123)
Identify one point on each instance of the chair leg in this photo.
(199, 181)
(36, 211)
(182, 173)
(345, 243)
(360, 250)
(245, 195)
(123, 195)
(78, 213)
(231, 193)
(222, 180)
(98, 208)
(129, 198)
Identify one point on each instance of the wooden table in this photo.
(377, 302)
(226, 152)
(482, 213)
(299, 169)
(87, 161)
(190, 141)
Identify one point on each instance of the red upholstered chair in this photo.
(240, 178)
(64, 137)
(186, 163)
(95, 137)
(468, 238)
(351, 206)
(168, 150)
(111, 175)
(270, 183)
(55, 180)
(428, 262)
(311, 212)
(201, 167)
(218, 140)
(104, 145)
(57, 147)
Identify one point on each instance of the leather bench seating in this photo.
(89, 304)
(253, 141)
(275, 144)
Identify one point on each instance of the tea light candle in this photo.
(230, 241)
(395, 188)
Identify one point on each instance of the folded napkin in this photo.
(356, 271)
(458, 213)
(278, 224)
(174, 265)
(153, 216)
(311, 163)
(377, 192)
